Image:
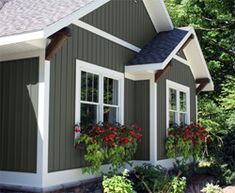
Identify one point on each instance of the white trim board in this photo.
(51, 29)
(159, 15)
(106, 35)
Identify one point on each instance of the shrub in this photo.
(117, 184)
(149, 178)
(109, 143)
(155, 179)
(210, 188)
(177, 185)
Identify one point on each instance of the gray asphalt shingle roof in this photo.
(157, 50)
(20, 16)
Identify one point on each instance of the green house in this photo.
(63, 62)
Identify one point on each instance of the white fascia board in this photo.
(159, 15)
(73, 17)
(5, 40)
(143, 67)
(51, 29)
(106, 35)
(197, 61)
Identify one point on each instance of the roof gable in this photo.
(127, 20)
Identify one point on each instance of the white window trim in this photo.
(102, 72)
(178, 87)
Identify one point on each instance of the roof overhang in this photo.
(156, 10)
(51, 29)
(194, 57)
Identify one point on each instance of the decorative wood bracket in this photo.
(160, 73)
(57, 41)
(202, 83)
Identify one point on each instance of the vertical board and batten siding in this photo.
(18, 115)
(181, 74)
(125, 19)
(85, 46)
(137, 111)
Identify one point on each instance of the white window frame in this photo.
(178, 87)
(101, 72)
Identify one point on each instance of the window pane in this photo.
(172, 119)
(88, 114)
(110, 91)
(183, 118)
(89, 87)
(182, 101)
(110, 114)
(172, 99)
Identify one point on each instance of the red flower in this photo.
(123, 140)
(77, 130)
(100, 130)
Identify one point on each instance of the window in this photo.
(178, 104)
(99, 94)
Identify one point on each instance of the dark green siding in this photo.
(88, 47)
(126, 19)
(181, 74)
(137, 111)
(18, 114)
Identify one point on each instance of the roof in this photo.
(157, 50)
(164, 47)
(21, 16)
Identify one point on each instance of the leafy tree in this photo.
(214, 23)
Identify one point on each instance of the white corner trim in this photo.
(178, 87)
(106, 35)
(153, 120)
(74, 17)
(159, 15)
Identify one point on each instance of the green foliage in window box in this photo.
(109, 143)
(187, 141)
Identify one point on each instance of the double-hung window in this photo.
(99, 94)
(178, 104)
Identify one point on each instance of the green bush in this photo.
(178, 185)
(210, 188)
(155, 179)
(117, 184)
